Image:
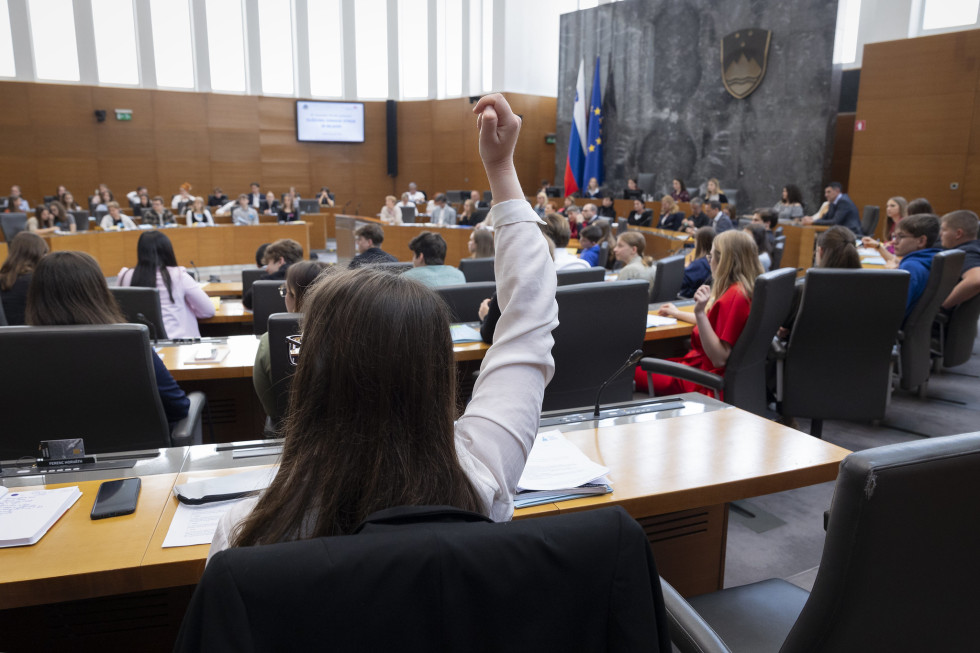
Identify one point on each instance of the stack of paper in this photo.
(464, 333)
(557, 470)
(26, 516)
(659, 321)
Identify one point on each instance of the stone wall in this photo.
(667, 113)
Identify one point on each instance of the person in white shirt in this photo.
(243, 214)
(383, 437)
(115, 219)
(198, 214)
(183, 197)
(414, 194)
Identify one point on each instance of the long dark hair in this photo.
(364, 431)
(68, 288)
(837, 249)
(154, 253)
(793, 194)
(300, 277)
(26, 249)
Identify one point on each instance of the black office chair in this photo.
(744, 382)
(869, 220)
(250, 276)
(898, 569)
(778, 248)
(958, 332)
(464, 299)
(395, 267)
(408, 214)
(12, 224)
(281, 325)
(915, 339)
(477, 269)
(600, 325)
(3, 316)
(603, 254)
(266, 300)
(479, 215)
(668, 279)
(590, 577)
(142, 306)
(120, 409)
(81, 219)
(309, 206)
(622, 226)
(811, 378)
(586, 275)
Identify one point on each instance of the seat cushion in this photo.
(753, 618)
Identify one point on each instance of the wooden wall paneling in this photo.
(79, 175)
(179, 110)
(971, 180)
(875, 178)
(61, 104)
(123, 175)
(233, 111)
(182, 142)
(235, 176)
(917, 124)
(278, 113)
(171, 173)
(15, 105)
(840, 164)
(930, 65)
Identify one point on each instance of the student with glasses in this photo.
(373, 412)
(299, 277)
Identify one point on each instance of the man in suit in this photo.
(719, 220)
(478, 202)
(698, 218)
(255, 196)
(842, 210)
(367, 242)
(443, 213)
(590, 213)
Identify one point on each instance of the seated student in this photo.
(959, 230)
(243, 214)
(390, 213)
(115, 219)
(158, 216)
(841, 210)
(26, 251)
(277, 258)
(298, 279)
(607, 210)
(719, 221)
(914, 240)
(592, 191)
(70, 203)
(698, 218)
(182, 199)
(217, 197)
(198, 215)
(790, 204)
(670, 216)
(429, 251)
(480, 244)
(289, 212)
(383, 439)
(367, 241)
(270, 205)
(720, 312)
(143, 203)
(769, 220)
(68, 288)
(632, 190)
(589, 239)
(698, 271)
(629, 251)
(919, 205)
(640, 216)
(182, 300)
(576, 222)
(678, 191)
(542, 203)
(325, 197)
(43, 223)
(64, 220)
(556, 228)
(758, 233)
(712, 192)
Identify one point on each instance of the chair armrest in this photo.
(188, 431)
(688, 631)
(942, 318)
(686, 372)
(777, 349)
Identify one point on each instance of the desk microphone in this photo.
(630, 362)
(149, 325)
(357, 211)
(197, 273)
(346, 204)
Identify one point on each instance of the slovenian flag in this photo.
(575, 163)
(593, 152)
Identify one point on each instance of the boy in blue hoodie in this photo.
(915, 238)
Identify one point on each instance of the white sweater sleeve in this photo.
(495, 434)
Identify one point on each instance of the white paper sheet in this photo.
(555, 464)
(659, 321)
(464, 333)
(196, 524)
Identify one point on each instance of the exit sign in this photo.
(124, 114)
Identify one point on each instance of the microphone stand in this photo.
(630, 362)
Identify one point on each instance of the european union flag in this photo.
(593, 147)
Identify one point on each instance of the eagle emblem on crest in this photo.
(744, 55)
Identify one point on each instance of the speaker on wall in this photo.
(391, 114)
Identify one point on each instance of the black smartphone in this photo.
(116, 498)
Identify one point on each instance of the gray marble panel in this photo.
(667, 113)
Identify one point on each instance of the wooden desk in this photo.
(229, 311)
(397, 238)
(659, 468)
(801, 242)
(223, 289)
(206, 246)
(661, 243)
(237, 364)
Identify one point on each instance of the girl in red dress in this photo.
(720, 312)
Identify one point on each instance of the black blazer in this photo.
(672, 221)
(844, 213)
(433, 578)
(645, 219)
